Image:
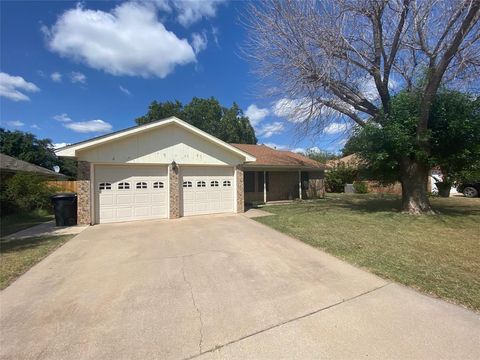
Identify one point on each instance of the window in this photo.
(201, 184)
(187, 184)
(124, 186)
(227, 183)
(214, 183)
(141, 185)
(158, 185)
(249, 180)
(105, 186)
(260, 181)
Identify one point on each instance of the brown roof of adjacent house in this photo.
(13, 165)
(266, 156)
(349, 160)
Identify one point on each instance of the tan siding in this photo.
(162, 146)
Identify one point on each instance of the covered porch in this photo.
(269, 184)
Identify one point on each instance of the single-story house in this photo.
(10, 166)
(280, 175)
(169, 168)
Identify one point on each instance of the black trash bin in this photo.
(65, 209)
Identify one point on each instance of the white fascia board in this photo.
(71, 150)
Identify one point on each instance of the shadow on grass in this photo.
(385, 204)
(13, 245)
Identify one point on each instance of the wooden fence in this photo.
(64, 186)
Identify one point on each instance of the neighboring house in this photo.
(353, 160)
(349, 160)
(10, 166)
(396, 188)
(168, 169)
(280, 175)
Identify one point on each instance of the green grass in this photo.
(19, 255)
(10, 224)
(438, 254)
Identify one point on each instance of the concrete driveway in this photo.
(218, 287)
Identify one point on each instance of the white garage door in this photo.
(207, 190)
(125, 193)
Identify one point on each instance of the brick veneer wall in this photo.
(240, 192)
(316, 185)
(174, 188)
(84, 216)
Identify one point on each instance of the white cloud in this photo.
(56, 77)
(60, 145)
(335, 128)
(128, 40)
(295, 150)
(78, 77)
(11, 87)
(35, 126)
(271, 129)
(89, 126)
(191, 11)
(199, 42)
(15, 123)
(125, 90)
(369, 89)
(256, 114)
(62, 117)
(215, 33)
(294, 110)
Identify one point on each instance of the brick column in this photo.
(174, 190)
(83, 193)
(240, 189)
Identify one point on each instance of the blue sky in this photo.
(71, 71)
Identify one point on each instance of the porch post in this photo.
(264, 187)
(300, 184)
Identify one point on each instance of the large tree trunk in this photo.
(414, 177)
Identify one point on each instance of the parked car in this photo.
(469, 189)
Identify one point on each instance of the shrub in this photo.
(360, 187)
(338, 176)
(28, 192)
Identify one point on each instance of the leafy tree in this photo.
(332, 59)
(455, 137)
(320, 155)
(453, 134)
(338, 176)
(27, 147)
(228, 124)
(28, 192)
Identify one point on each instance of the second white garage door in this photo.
(207, 190)
(126, 193)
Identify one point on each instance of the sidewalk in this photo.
(47, 228)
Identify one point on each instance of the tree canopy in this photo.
(227, 124)
(347, 59)
(453, 134)
(27, 147)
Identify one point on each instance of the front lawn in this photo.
(17, 256)
(437, 254)
(12, 223)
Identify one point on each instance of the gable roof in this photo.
(13, 165)
(266, 156)
(71, 150)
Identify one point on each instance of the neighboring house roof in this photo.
(70, 150)
(349, 160)
(268, 157)
(9, 164)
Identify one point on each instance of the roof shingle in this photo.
(266, 156)
(13, 165)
